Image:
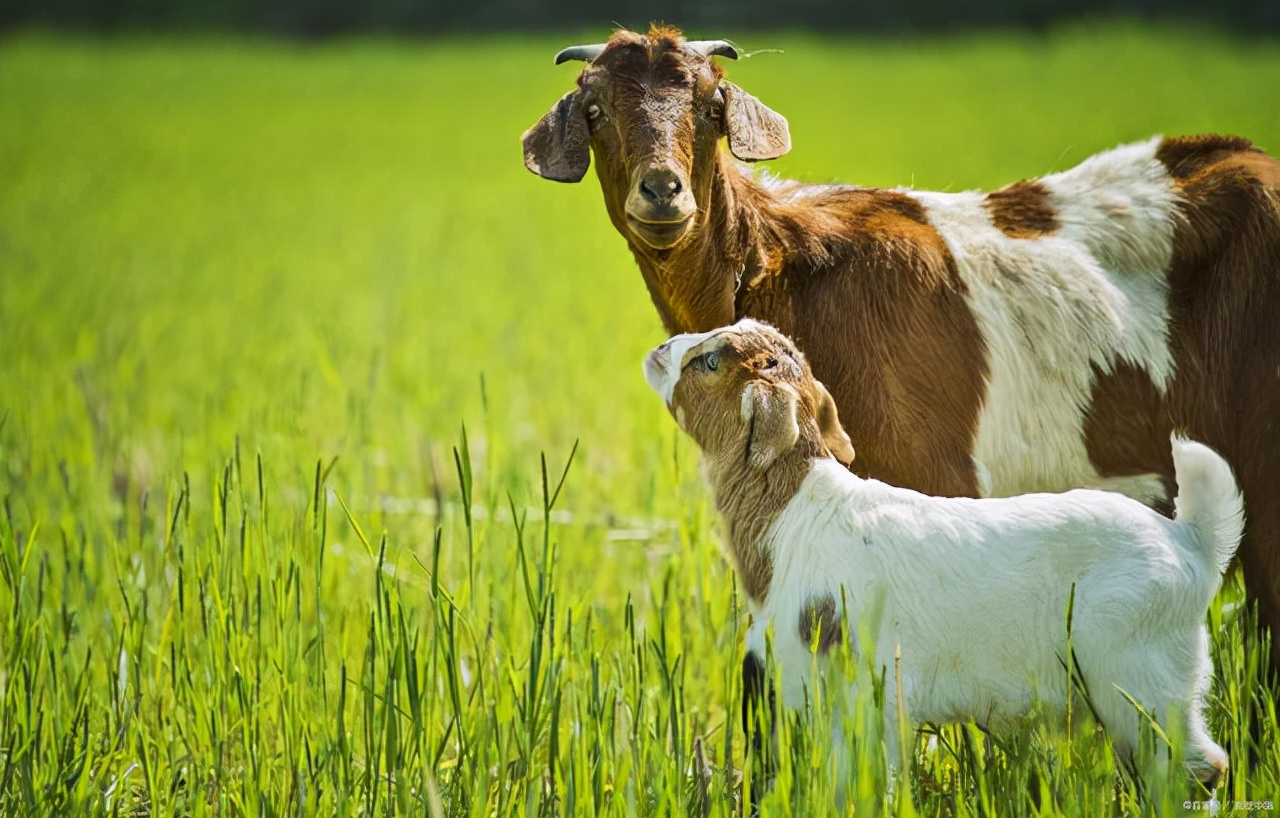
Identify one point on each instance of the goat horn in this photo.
(713, 48)
(586, 53)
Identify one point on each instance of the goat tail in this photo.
(1208, 500)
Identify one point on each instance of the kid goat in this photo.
(1046, 336)
(974, 592)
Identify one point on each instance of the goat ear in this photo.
(558, 146)
(755, 131)
(833, 434)
(770, 413)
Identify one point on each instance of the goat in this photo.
(972, 592)
(1046, 336)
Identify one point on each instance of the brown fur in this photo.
(1022, 210)
(1127, 429)
(820, 619)
(1225, 316)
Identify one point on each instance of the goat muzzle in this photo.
(660, 207)
(660, 186)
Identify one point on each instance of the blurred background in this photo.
(309, 18)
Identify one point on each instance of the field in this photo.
(294, 355)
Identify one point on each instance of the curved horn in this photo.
(713, 48)
(586, 53)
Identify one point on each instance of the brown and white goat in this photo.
(1045, 336)
(966, 599)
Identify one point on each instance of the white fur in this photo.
(748, 401)
(1052, 309)
(974, 592)
(662, 366)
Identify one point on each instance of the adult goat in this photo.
(1045, 336)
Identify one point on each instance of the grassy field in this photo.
(294, 354)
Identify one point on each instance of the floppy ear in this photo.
(557, 147)
(833, 434)
(755, 132)
(770, 413)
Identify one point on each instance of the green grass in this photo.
(250, 294)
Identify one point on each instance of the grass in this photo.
(331, 486)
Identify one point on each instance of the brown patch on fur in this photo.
(748, 497)
(820, 619)
(1022, 210)
(1224, 285)
(1127, 429)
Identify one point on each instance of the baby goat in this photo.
(973, 592)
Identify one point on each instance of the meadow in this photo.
(330, 482)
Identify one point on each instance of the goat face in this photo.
(745, 392)
(652, 108)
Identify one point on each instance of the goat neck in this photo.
(749, 500)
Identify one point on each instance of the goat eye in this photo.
(593, 111)
(711, 361)
(770, 363)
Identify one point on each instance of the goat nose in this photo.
(660, 186)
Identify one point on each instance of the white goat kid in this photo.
(973, 592)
